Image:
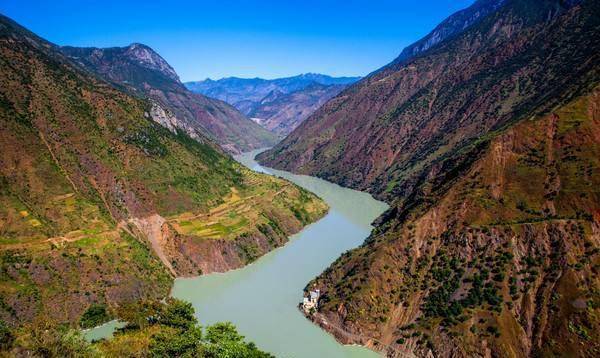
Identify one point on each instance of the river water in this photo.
(262, 299)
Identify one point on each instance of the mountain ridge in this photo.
(140, 70)
(451, 26)
(101, 203)
(281, 112)
(490, 247)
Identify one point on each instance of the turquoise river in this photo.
(262, 299)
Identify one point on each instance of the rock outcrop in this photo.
(140, 71)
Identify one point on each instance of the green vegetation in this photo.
(448, 274)
(262, 205)
(6, 336)
(74, 272)
(87, 164)
(155, 329)
(95, 315)
(171, 330)
(50, 341)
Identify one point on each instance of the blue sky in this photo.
(269, 39)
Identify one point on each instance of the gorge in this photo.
(446, 204)
(266, 294)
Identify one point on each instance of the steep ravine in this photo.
(500, 260)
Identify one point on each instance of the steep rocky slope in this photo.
(486, 147)
(389, 127)
(141, 71)
(101, 202)
(500, 258)
(278, 105)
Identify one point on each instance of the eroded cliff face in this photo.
(500, 260)
(247, 224)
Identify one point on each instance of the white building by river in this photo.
(312, 301)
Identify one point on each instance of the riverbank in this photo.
(261, 299)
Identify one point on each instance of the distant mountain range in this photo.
(484, 138)
(279, 105)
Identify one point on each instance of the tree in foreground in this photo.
(155, 329)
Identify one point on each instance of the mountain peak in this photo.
(147, 57)
(453, 25)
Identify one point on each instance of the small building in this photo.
(312, 301)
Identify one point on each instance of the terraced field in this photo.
(239, 213)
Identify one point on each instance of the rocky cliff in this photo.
(141, 71)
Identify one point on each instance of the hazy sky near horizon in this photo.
(269, 39)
